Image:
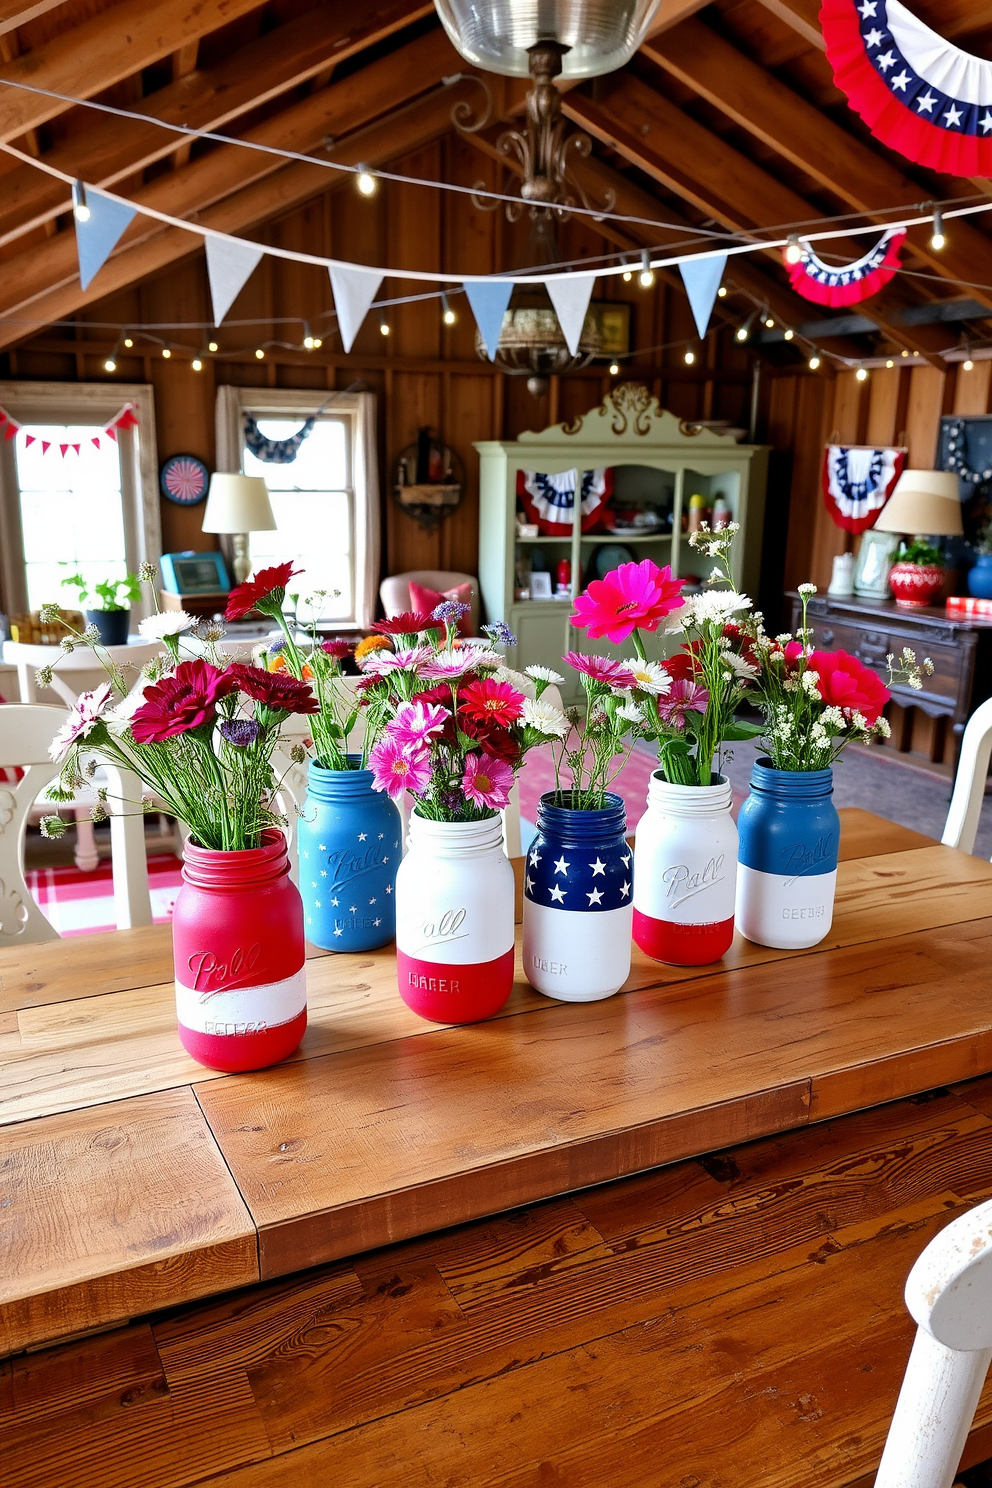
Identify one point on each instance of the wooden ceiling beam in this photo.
(952, 19)
(801, 133)
(83, 60)
(149, 247)
(670, 147)
(109, 150)
(14, 13)
(671, 12)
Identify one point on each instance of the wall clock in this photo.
(184, 479)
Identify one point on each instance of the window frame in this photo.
(83, 403)
(359, 409)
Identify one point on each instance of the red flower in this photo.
(410, 623)
(276, 690)
(635, 596)
(338, 649)
(186, 700)
(683, 667)
(251, 594)
(439, 693)
(742, 643)
(491, 701)
(844, 683)
(495, 740)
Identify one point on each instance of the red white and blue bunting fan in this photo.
(827, 284)
(917, 93)
(549, 500)
(858, 481)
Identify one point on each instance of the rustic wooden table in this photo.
(133, 1179)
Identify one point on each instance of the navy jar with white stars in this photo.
(350, 843)
(578, 900)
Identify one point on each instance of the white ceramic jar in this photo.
(454, 920)
(685, 873)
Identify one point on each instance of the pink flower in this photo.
(601, 669)
(82, 720)
(684, 697)
(487, 781)
(407, 659)
(635, 596)
(396, 767)
(415, 723)
(490, 701)
(447, 666)
(844, 682)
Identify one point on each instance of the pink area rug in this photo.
(82, 903)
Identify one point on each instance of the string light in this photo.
(721, 293)
(627, 276)
(937, 238)
(128, 342)
(259, 353)
(646, 277)
(890, 363)
(384, 328)
(862, 374)
(110, 365)
(770, 322)
(614, 369)
(690, 357)
(448, 315)
(366, 181)
(744, 331)
(904, 352)
(308, 341)
(196, 364)
(793, 249)
(814, 362)
(80, 206)
(166, 353)
(211, 345)
(790, 334)
(968, 364)
(317, 343)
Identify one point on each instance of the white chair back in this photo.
(511, 815)
(26, 731)
(969, 783)
(77, 672)
(949, 1293)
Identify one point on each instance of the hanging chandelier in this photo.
(595, 36)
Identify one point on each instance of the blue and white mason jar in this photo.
(350, 844)
(789, 837)
(578, 900)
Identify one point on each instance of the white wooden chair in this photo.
(26, 731)
(969, 782)
(949, 1293)
(511, 816)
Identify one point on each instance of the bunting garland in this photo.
(825, 284)
(127, 418)
(858, 481)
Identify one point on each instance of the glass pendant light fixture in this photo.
(595, 36)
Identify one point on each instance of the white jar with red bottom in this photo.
(455, 920)
(685, 873)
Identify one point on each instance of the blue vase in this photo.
(980, 577)
(789, 836)
(350, 843)
(578, 901)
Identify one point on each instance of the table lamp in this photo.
(925, 503)
(238, 505)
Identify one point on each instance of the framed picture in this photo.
(612, 322)
(194, 573)
(871, 573)
(540, 584)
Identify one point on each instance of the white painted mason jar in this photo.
(685, 873)
(454, 920)
(577, 900)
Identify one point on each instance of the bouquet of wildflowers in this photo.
(594, 744)
(686, 704)
(200, 733)
(452, 724)
(817, 702)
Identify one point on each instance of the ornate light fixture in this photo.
(595, 36)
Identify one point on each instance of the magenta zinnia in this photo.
(685, 697)
(186, 700)
(601, 669)
(491, 702)
(487, 781)
(397, 768)
(635, 596)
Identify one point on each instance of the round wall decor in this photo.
(184, 479)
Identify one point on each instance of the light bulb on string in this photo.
(721, 293)
(793, 249)
(789, 334)
(904, 352)
(166, 352)
(80, 206)
(308, 341)
(110, 365)
(690, 357)
(128, 342)
(366, 181)
(743, 332)
(769, 322)
(447, 314)
(211, 346)
(937, 236)
(317, 343)
(259, 353)
(890, 363)
(862, 374)
(968, 365)
(384, 327)
(646, 277)
(196, 364)
(814, 362)
(627, 276)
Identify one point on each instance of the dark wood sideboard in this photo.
(959, 647)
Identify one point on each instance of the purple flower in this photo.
(450, 609)
(684, 697)
(500, 632)
(241, 731)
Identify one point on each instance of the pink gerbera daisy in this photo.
(407, 659)
(490, 701)
(416, 722)
(487, 781)
(396, 767)
(635, 596)
(685, 697)
(601, 669)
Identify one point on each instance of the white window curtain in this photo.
(360, 410)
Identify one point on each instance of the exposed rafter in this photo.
(14, 13)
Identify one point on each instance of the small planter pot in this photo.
(112, 625)
(578, 902)
(915, 585)
(980, 577)
(685, 873)
(454, 920)
(350, 841)
(237, 937)
(789, 836)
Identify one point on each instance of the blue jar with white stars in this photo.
(578, 900)
(350, 843)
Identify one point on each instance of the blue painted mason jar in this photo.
(350, 843)
(578, 900)
(789, 836)
(980, 577)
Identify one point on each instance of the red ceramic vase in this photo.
(237, 937)
(915, 585)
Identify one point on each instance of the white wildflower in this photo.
(745, 670)
(168, 623)
(807, 589)
(546, 719)
(631, 713)
(715, 607)
(544, 674)
(784, 638)
(650, 677)
(859, 721)
(883, 729)
(83, 718)
(810, 679)
(916, 682)
(834, 717)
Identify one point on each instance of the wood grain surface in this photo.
(735, 1320)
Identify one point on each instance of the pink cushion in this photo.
(428, 599)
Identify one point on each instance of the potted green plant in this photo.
(980, 576)
(107, 605)
(917, 576)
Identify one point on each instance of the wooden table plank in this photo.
(113, 1212)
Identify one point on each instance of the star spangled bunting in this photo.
(589, 880)
(858, 481)
(918, 93)
(847, 284)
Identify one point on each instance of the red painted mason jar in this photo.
(240, 958)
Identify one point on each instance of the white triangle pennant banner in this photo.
(354, 290)
(570, 298)
(229, 265)
(99, 234)
(701, 278)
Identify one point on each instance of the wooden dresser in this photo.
(960, 649)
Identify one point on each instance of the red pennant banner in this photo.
(126, 418)
(46, 445)
(29, 440)
(96, 441)
(11, 430)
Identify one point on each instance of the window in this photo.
(325, 501)
(95, 512)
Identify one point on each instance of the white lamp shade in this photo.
(238, 503)
(925, 502)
